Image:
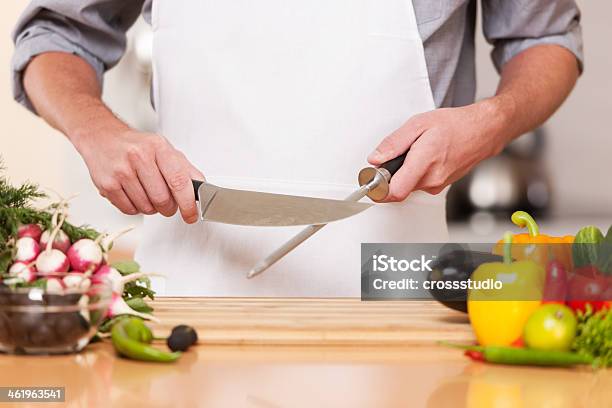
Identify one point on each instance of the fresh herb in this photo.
(594, 336)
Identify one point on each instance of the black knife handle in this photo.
(393, 165)
(196, 187)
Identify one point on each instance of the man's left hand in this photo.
(445, 144)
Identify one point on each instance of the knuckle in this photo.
(109, 187)
(122, 174)
(158, 142)
(178, 181)
(161, 200)
(136, 154)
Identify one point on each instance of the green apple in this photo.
(550, 327)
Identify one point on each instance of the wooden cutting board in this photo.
(295, 321)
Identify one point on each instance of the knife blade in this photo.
(253, 208)
(374, 183)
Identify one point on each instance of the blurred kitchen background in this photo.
(559, 172)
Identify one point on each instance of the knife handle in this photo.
(383, 174)
(196, 188)
(394, 165)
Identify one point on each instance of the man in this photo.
(290, 97)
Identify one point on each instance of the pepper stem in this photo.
(523, 219)
(508, 247)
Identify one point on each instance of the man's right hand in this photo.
(141, 173)
(138, 172)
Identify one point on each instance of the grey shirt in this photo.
(95, 30)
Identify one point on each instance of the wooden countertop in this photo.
(307, 352)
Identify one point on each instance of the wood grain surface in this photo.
(298, 321)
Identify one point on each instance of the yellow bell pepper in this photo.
(538, 247)
(499, 315)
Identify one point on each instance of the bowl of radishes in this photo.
(54, 313)
(57, 286)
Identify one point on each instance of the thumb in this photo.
(396, 144)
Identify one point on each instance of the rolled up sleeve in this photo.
(514, 26)
(92, 29)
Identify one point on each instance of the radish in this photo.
(27, 249)
(23, 271)
(52, 260)
(119, 307)
(55, 286)
(86, 255)
(117, 280)
(61, 240)
(33, 231)
(76, 281)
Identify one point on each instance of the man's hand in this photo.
(138, 172)
(444, 145)
(141, 173)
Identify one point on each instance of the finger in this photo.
(156, 188)
(408, 177)
(120, 200)
(134, 190)
(397, 143)
(177, 170)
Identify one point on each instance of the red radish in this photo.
(117, 280)
(85, 254)
(27, 249)
(30, 230)
(61, 241)
(119, 307)
(23, 271)
(55, 286)
(52, 260)
(76, 281)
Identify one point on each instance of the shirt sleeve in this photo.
(514, 26)
(92, 29)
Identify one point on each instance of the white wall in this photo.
(579, 154)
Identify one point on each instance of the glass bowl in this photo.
(43, 317)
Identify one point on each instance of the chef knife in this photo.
(241, 207)
(374, 183)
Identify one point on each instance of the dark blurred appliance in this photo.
(515, 179)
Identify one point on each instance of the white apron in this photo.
(284, 96)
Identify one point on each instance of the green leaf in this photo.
(138, 304)
(126, 267)
(134, 289)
